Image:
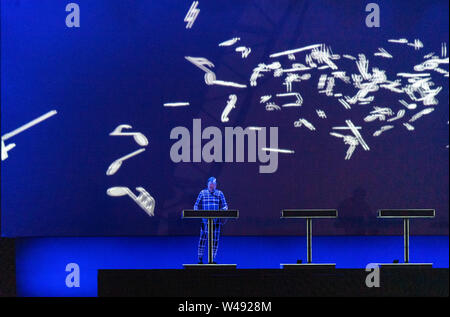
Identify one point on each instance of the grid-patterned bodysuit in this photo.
(210, 201)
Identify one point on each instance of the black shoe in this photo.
(200, 261)
(214, 262)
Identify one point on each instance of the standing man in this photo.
(210, 199)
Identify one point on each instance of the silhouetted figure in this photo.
(355, 214)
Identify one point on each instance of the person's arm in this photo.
(199, 199)
(223, 201)
(224, 207)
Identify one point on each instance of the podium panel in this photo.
(309, 215)
(210, 215)
(406, 215)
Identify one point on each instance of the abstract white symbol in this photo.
(272, 106)
(400, 41)
(383, 129)
(144, 200)
(191, 15)
(444, 50)
(421, 114)
(230, 42)
(297, 50)
(114, 167)
(383, 53)
(303, 122)
(210, 76)
(297, 103)
(321, 114)
(417, 44)
(408, 126)
(245, 51)
(231, 104)
(265, 98)
(137, 136)
(277, 150)
(176, 104)
(6, 148)
(351, 140)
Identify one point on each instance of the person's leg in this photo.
(216, 237)
(203, 240)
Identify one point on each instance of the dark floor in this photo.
(7, 268)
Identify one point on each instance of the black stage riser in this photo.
(271, 283)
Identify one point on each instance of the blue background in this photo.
(127, 60)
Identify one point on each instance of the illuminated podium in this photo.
(309, 215)
(406, 215)
(210, 215)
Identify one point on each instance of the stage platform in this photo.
(271, 283)
(41, 262)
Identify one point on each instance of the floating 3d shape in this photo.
(351, 140)
(138, 137)
(420, 114)
(6, 148)
(383, 129)
(278, 150)
(399, 41)
(400, 114)
(271, 106)
(210, 76)
(176, 104)
(321, 114)
(383, 53)
(144, 199)
(297, 50)
(231, 104)
(204, 64)
(230, 42)
(245, 51)
(114, 167)
(408, 126)
(417, 44)
(303, 122)
(298, 97)
(191, 15)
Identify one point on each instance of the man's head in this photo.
(212, 183)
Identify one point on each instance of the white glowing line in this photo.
(408, 75)
(140, 138)
(349, 57)
(401, 41)
(408, 126)
(29, 125)
(277, 150)
(345, 104)
(231, 104)
(228, 83)
(192, 14)
(297, 50)
(383, 129)
(421, 113)
(176, 104)
(383, 53)
(230, 42)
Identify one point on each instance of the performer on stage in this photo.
(210, 199)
